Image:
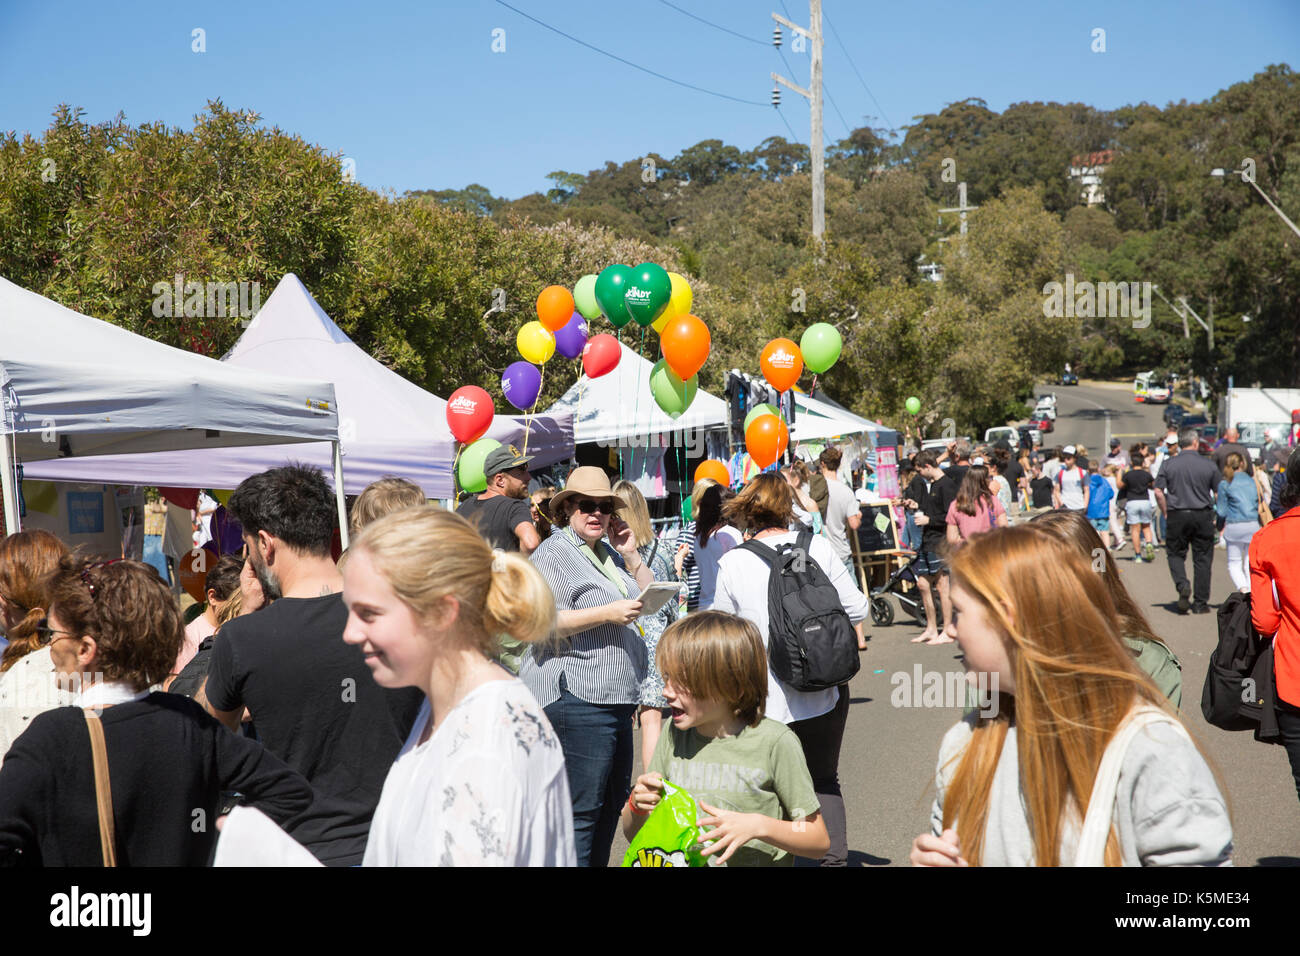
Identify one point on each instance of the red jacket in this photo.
(1275, 561)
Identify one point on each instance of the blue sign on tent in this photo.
(85, 512)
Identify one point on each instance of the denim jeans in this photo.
(597, 744)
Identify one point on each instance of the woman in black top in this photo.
(114, 630)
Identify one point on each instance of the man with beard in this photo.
(501, 513)
(312, 696)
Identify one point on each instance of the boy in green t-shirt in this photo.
(746, 771)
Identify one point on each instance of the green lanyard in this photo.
(606, 567)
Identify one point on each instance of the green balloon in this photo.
(913, 406)
(820, 345)
(647, 293)
(469, 470)
(670, 393)
(584, 297)
(757, 410)
(610, 286)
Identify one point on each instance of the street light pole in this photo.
(1246, 177)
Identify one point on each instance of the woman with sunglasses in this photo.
(27, 685)
(114, 628)
(588, 680)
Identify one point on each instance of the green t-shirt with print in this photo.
(760, 770)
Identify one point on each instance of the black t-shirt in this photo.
(935, 507)
(1135, 485)
(496, 518)
(318, 709)
(956, 473)
(1041, 488)
(1013, 473)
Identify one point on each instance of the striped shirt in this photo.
(603, 665)
(690, 570)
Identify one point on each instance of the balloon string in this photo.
(455, 478)
(528, 416)
(813, 391)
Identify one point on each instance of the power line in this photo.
(793, 137)
(635, 66)
(712, 24)
(855, 70)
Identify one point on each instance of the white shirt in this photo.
(1051, 467)
(27, 689)
(489, 788)
(708, 556)
(742, 590)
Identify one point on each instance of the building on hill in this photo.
(1087, 171)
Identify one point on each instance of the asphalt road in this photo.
(890, 746)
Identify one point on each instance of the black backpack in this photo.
(1238, 692)
(811, 643)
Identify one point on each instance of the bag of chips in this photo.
(669, 836)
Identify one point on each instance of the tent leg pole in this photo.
(12, 523)
(338, 495)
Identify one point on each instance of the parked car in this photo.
(1045, 408)
(1069, 378)
(1041, 422)
(1174, 415)
(1006, 433)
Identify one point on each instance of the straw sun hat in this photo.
(588, 481)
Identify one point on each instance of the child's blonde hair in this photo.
(713, 655)
(382, 497)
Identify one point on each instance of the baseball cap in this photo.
(1068, 450)
(1171, 439)
(503, 459)
(1114, 443)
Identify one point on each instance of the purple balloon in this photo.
(571, 339)
(521, 383)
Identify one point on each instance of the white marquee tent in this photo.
(387, 425)
(77, 389)
(618, 407)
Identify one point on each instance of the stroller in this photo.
(882, 611)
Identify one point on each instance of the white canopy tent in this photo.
(618, 408)
(77, 388)
(817, 419)
(388, 425)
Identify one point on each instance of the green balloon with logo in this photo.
(469, 470)
(765, 409)
(670, 393)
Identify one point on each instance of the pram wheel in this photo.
(882, 612)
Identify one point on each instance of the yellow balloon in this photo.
(535, 343)
(679, 304)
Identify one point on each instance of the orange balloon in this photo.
(766, 439)
(555, 307)
(712, 468)
(781, 363)
(685, 341)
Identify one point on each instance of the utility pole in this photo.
(961, 206)
(816, 147)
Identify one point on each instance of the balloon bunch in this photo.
(654, 298)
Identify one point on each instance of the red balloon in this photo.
(766, 439)
(712, 468)
(782, 363)
(469, 413)
(600, 355)
(554, 307)
(685, 341)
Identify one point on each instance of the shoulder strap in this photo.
(1091, 850)
(766, 552)
(103, 791)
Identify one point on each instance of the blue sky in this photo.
(415, 95)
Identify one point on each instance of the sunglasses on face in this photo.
(587, 506)
(45, 633)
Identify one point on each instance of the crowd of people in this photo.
(467, 687)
